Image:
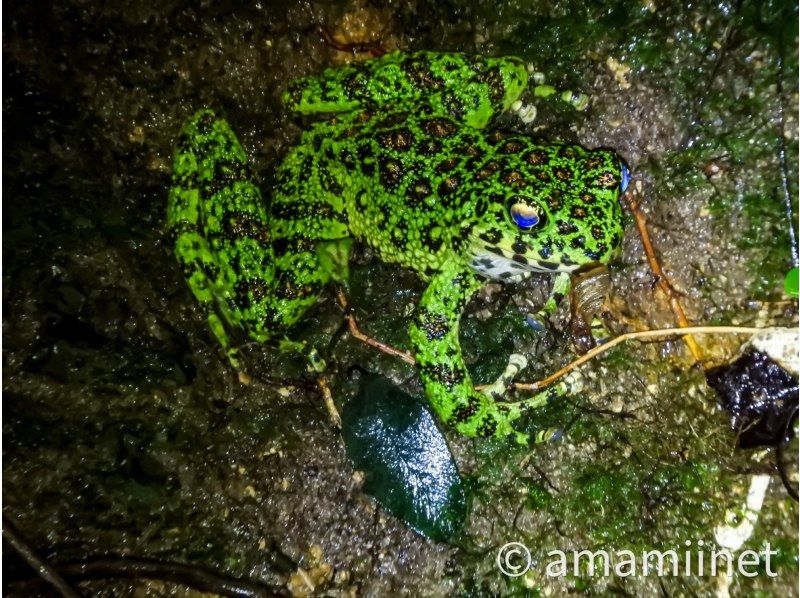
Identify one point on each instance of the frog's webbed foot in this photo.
(484, 416)
(314, 360)
(579, 101)
(567, 386)
(527, 112)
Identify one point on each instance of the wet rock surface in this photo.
(124, 431)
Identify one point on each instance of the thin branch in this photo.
(46, 572)
(354, 330)
(635, 336)
(327, 397)
(661, 278)
(187, 575)
(364, 338)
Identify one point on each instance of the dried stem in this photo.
(364, 338)
(643, 334)
(661, 278)
(43, 569)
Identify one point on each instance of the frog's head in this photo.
(550, 209)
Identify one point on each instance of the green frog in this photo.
(404, 163)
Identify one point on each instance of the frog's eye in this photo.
(624, 177)
(525, 216)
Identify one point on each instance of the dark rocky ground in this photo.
(124, 431)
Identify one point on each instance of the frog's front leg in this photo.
(434, 334)
(561, 287)
(516, 363)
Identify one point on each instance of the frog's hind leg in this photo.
(217, 218)
(310, 236)
(299, 279)
(469, 89)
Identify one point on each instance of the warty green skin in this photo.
(404, 166)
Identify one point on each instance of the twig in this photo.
(635, 336)
(327, 397)
(12, 535)
(661, 278)
(364, 338)
(193, 577)
(354, 330)
(787, 193)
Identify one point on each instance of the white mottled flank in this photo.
(501, 268)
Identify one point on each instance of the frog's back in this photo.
(419, 187)
(381, 168)
(387, 177)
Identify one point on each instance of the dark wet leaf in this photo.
(761, 397)
(408, 467)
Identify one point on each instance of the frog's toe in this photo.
(549, 435)
(504, 429)
(516, 363)
(521, 438)
(536, 321)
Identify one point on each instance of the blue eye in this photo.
(524, 216)
(625, 177)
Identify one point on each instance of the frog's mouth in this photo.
(493, 262)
